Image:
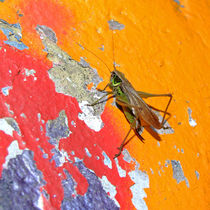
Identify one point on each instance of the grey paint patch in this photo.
(13, 33)
(192, 122)
(8, 125)
(168, 130)
(58, 128)
(20, 184)
(5, 90)
(121, 172)
(115, 25)
(107, 160)
(178, 173)
(197, 174)
(72, 77)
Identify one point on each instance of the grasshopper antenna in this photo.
(113, 53)
(95, 56)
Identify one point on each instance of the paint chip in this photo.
(192, 122)
(178, 173)
(122, 172)
(107, 160)
(115, 25)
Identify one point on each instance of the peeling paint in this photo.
(178, 173)
(20, 182)
(13, 33)
(87, 152)
(110, 189)
(141, 181)
(115, 25)
(60, 157)
(13, 151)
(122, 172)
(107, 160)
(192, 122)
(72, 77)
(87, 115)
(96, 196)
(5, 90)
(57, 129)
(197, 174)
(8, 125)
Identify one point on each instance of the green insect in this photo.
(131, 103)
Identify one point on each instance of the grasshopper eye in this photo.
(116, 80)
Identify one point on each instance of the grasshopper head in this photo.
(115, 79)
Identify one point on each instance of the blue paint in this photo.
(8, 31)
(20, 183)
(94, 198)
(178, 2)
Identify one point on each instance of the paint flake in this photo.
(178, 173)
(107, 160)
(122, 172)
(109, 188)
(192, 122)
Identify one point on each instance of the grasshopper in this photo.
(131, 103)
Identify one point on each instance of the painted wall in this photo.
(57, 152)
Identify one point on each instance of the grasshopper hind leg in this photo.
(137, 130)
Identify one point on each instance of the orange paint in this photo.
(163, 48)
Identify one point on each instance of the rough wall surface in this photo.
(57, 152)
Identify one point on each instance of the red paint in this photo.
(38, 96)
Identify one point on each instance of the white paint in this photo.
(107, 160)
(87, 152)
(63, 158)
(5, 90)
(40, 203)
(192, 122)
(30, 73)
(122, 172)
(141, 181)
(93, 122)
(109, 188)
(6, 127)
(13, 151)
